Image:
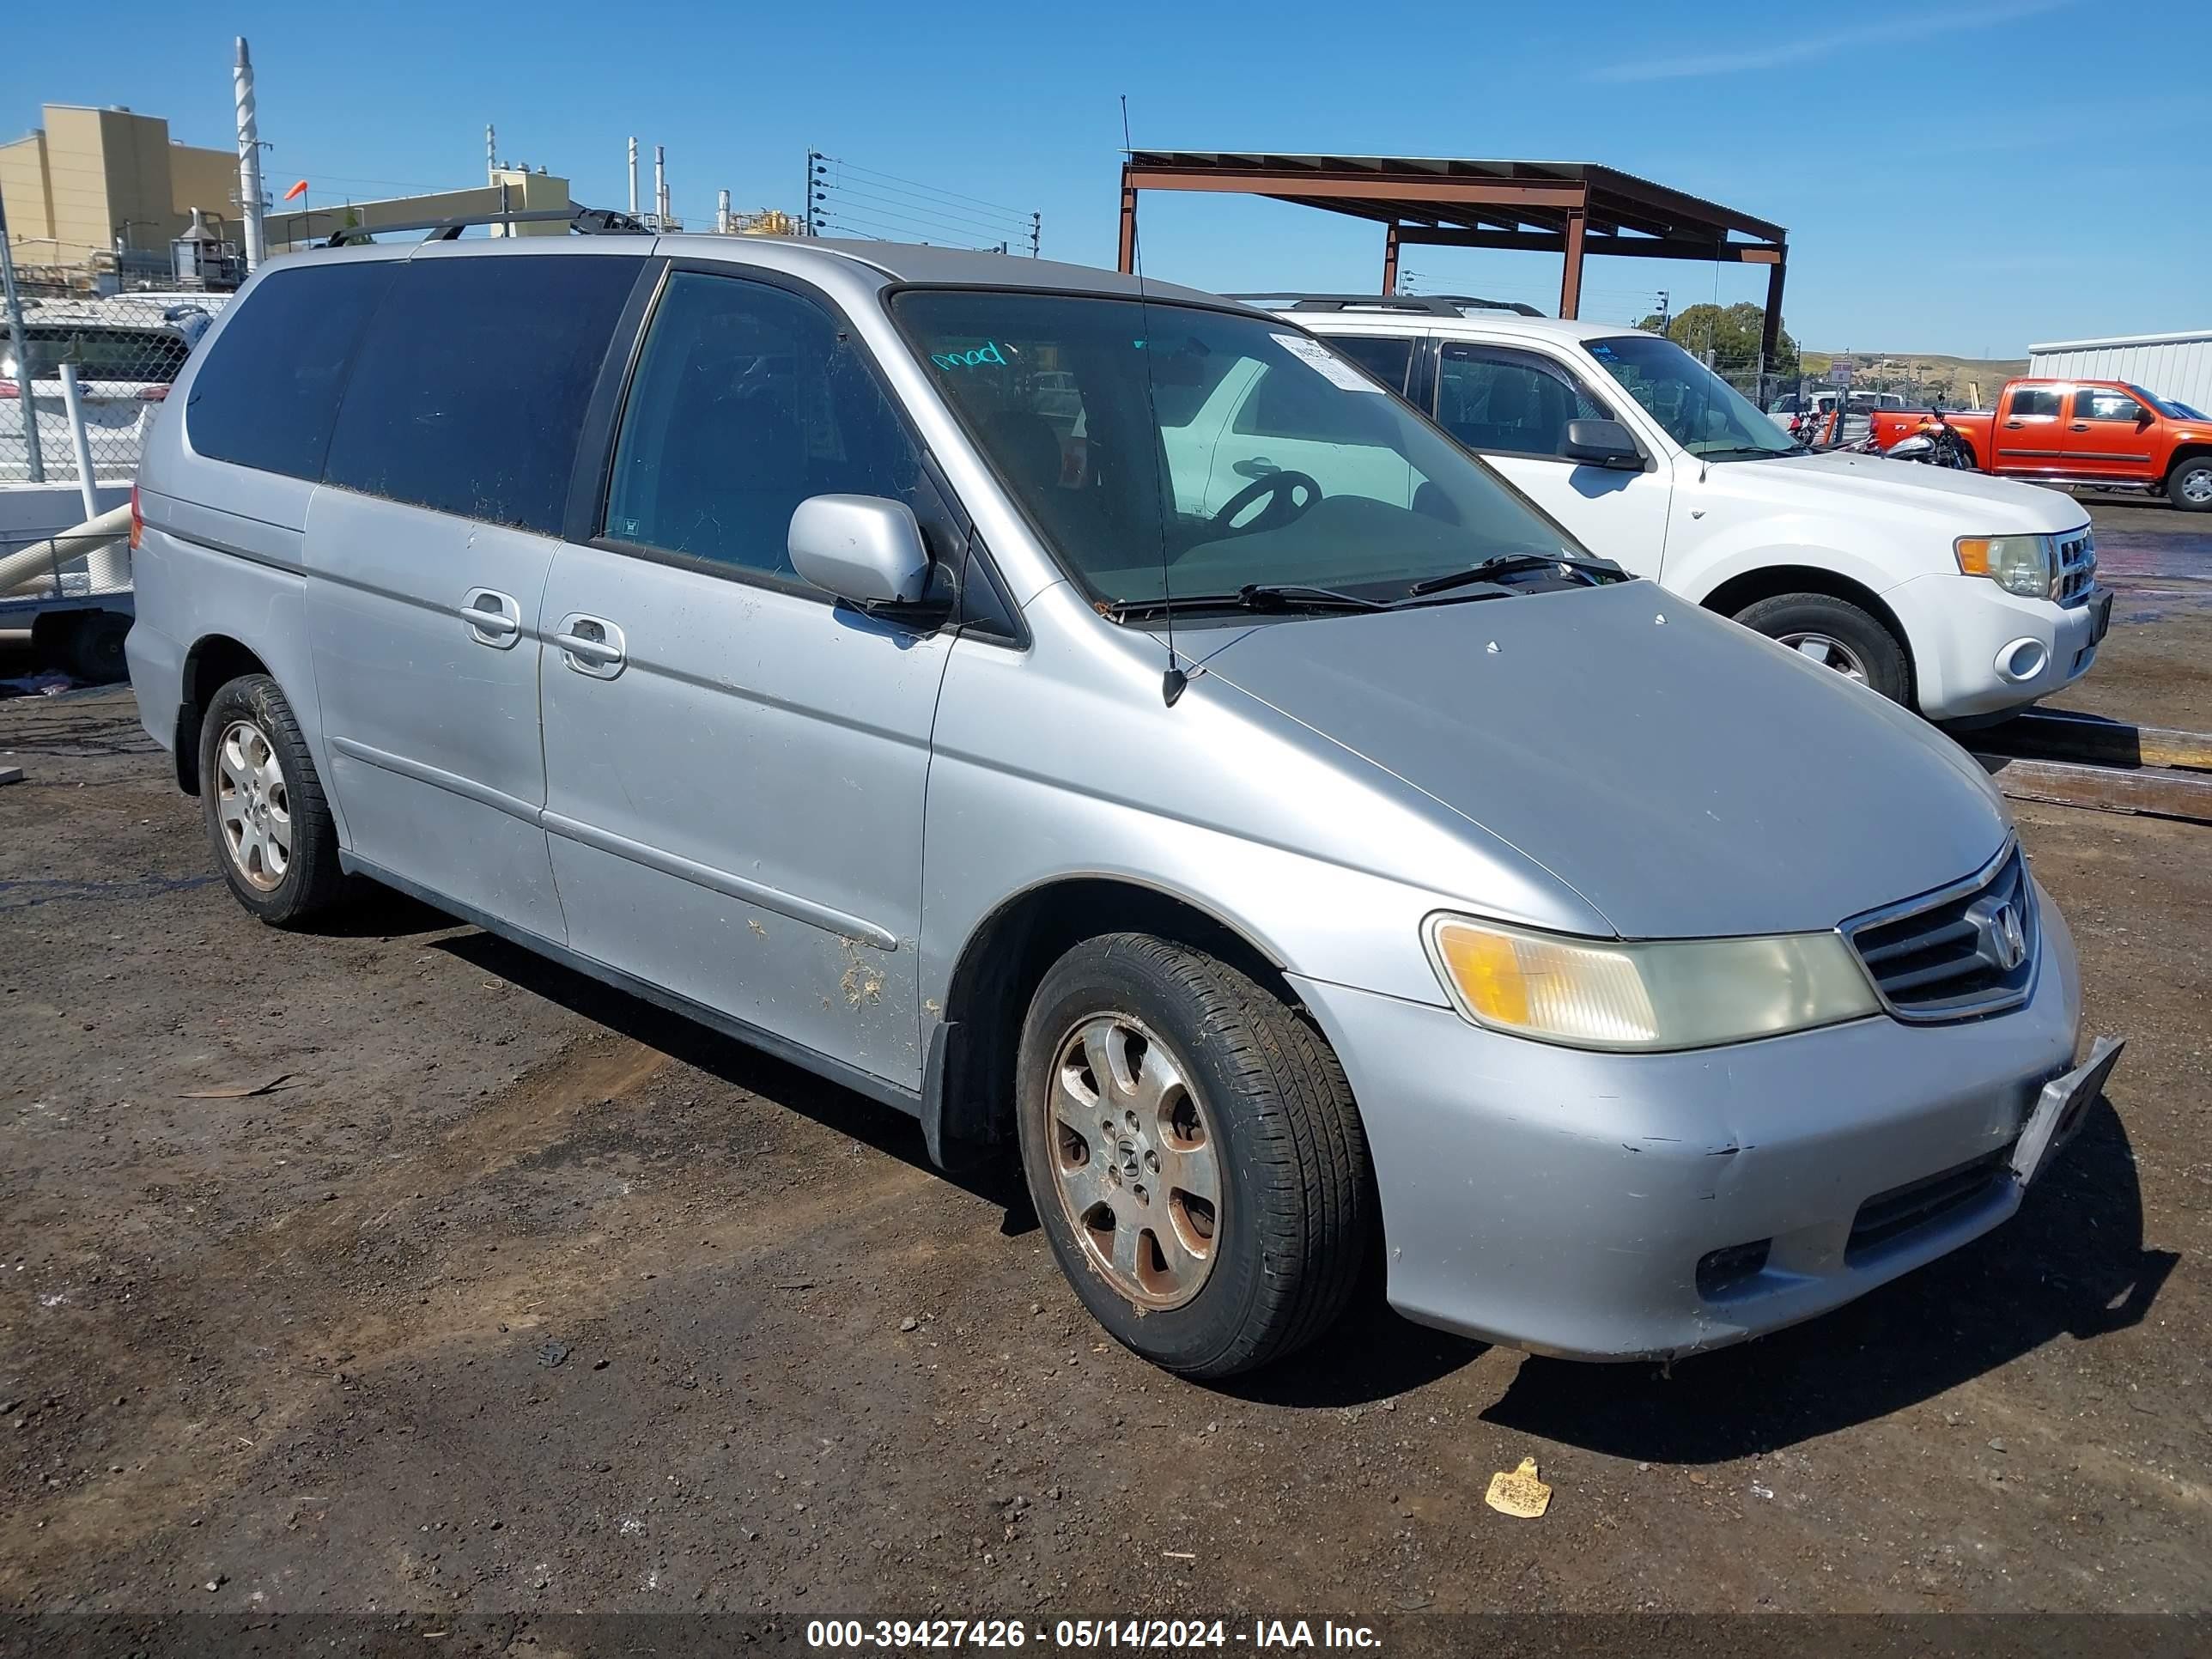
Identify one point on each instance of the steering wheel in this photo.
(1283, 504)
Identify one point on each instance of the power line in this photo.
(977, 200)
(997, 228)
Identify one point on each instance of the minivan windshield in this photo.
(1702, 412)
(1163, 448)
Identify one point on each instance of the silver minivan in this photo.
(826, 640)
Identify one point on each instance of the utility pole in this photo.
(25, 396)
(1037, 232)
(1666, 309)
(249, 158)
(722, 213)
(633, 177)
(815, 173)
(491, 150)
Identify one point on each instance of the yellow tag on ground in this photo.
(1520, 1493)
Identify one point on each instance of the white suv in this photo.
(1962, 596)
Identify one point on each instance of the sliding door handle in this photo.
(592, 645)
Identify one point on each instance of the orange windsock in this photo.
(298, 190)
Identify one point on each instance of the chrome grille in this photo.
(1964, 950)
(2077, 566)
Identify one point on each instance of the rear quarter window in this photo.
(472, 382)
(268, 393)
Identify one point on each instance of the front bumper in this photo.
(1959, 627)
(1563, 1201)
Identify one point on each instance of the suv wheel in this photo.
(1838, 635)
(1194, 1153)
(263, 805)
(2189, 488)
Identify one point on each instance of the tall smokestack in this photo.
(722, 213)
(633, 177)
(249, 158)
(660, 182)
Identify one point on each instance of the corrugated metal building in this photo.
(2177, 367)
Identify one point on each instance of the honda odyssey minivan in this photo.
(843, 645)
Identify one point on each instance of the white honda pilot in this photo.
(1965, 597)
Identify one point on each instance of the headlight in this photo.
(1655, 995)
(2026, 565)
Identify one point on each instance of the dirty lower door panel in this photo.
(734, 808)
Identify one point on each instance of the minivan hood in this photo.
(1970, 503)
(1685, 776)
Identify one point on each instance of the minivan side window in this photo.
(472, 383)
(748, 399)
(268, 393)
(1497, 401)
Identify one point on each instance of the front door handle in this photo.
(592, 645)
(2016, 425)
(1258, 467)
(2079, 426)
(493, 618)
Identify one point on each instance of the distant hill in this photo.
(1954, 379)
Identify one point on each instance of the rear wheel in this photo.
(1836, 635)
(95, 647)
(263, 805)
(1194, 1153)
(2189, 487)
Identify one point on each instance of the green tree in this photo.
(1732, 332)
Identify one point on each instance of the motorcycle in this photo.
(1934, 442)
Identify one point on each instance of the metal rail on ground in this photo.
(2108, 766)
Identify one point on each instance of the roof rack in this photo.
(1425, 305)
(584, 221)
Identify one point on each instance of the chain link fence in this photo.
(123, 354)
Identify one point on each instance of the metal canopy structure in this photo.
(1568, 208)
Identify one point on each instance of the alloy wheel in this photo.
(1135, 1161)
(252, 805)
(1829, 652)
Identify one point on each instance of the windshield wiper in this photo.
(1500, 564)
(1755, 452)
(1269, 597)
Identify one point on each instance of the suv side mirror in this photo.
(864, 548)
(1603, 443)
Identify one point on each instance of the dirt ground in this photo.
(506, 1293)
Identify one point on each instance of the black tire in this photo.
(310, 881)
(1791, 617)
(1296, 1206)
(95, 647)
(2193, 475)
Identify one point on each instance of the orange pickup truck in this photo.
(2101, 435)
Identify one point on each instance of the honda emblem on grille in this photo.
(2007, 938)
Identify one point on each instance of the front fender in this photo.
(1768, 545)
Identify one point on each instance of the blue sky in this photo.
(1960, 177)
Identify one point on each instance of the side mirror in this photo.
(1603, 443)
(863, 549)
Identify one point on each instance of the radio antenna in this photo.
(1173, 682)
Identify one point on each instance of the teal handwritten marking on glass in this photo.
(986, 353)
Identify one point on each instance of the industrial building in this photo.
(105, 191)
(2177, 367)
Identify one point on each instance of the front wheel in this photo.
(2190, 487)
(1836, 635)
(1194, 1155)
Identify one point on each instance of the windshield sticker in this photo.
(1325, 362)
(986, 353)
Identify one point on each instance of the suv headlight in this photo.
(2026, 565)
(1644, 994)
